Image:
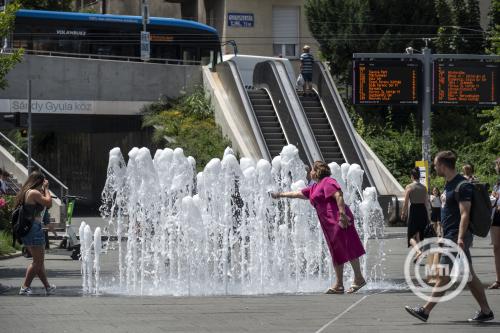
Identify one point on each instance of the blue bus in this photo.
(114, 36)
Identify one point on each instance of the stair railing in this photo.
(63, 189)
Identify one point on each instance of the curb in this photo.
(11, 255)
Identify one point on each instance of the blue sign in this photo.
(240, 20)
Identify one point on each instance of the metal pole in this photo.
(29, 127)
(426, 106)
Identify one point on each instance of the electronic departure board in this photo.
(466, 83)
(386, 82)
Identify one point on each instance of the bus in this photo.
(105, 36)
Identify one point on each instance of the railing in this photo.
(63, 188)
(107, 57)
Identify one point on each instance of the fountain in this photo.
(219, 232)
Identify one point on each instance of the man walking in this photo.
(306, 68)
(455, 222)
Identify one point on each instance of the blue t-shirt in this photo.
(307, 61)
(450, 213)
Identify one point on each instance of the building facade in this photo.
(259, 27)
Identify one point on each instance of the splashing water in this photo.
(220, 232)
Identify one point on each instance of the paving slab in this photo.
(368, 311)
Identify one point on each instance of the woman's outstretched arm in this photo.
(291, 195)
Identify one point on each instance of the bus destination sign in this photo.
(463, 83)
(386, 82)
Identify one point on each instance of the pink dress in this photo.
(344, 244)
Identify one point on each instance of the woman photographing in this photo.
(35, 197)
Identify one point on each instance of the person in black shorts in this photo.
(306, 68)
(455, 222)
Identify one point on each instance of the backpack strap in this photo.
(457, 189)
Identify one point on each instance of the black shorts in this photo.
(436, 214)
(496, 219)
(308, 77)
(445, 260)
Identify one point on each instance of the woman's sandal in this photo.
(355, 287)
(495, 285)
(337, 290)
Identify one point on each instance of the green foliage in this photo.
(56, 5)
(343, 27)
(6, 243)
(8, 61)
(187, 122)
(6, 209)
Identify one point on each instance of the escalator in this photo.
(268, 120)
(322, 130)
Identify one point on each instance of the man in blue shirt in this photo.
(455, 222)
(306, 68)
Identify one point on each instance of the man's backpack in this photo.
(21, 225)
(480, 212)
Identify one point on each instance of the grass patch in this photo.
(6, 243)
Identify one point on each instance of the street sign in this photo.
(386, 82)
(460, 83)
(423, 168)
(145, 46)
(240, 20)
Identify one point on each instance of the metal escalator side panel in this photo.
(301, 122)
(250, 111)
(265, 76)
(330, 124)
(235, 90)
(340, 120)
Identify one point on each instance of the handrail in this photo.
(247, 105)
(267, 75)
(64, 188)
(331, 88)
(299, 114)
(106, 57)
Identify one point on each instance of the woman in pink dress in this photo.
(336, 220)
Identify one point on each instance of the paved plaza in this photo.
(378, 310)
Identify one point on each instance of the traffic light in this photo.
(23, 132)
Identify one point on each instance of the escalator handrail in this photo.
(249, 110)
(299, 114)
(330, 122)
(345, 117)
(261, 80)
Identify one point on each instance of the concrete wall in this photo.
(59, 78)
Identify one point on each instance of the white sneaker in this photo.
(25, 291)
(51, 290)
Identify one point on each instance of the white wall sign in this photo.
(72, 107)
(51, 106)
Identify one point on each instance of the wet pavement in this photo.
(371, 310)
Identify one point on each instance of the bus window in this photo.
(189, 55)
(207, 57)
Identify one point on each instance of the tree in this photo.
(460, 28)
(8, 60)
(57, 5)
(444, 40)
(343, 27)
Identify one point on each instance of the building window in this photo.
(286, 31)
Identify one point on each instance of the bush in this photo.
(6, 209)
(6, 243)
(187, 122)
